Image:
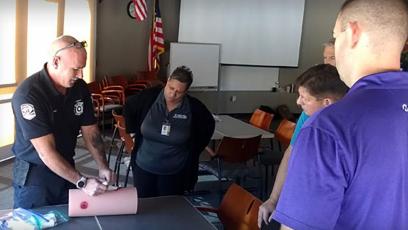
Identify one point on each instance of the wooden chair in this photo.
(261, 119)
(96, 106)
(128, 86)
(134, 88)
(147, 77)
(284, 132)
(105, 100)
(231, 157)
(125, 148)
(112, 99)
(94, 87)
(134, 80)
(238, 209)
(108, 84)
(96, 96)
(118, 118)
(104, 81)
(283, 135)
(118, 80)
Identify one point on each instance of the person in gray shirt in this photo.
(171, 129)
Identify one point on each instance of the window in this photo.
(7, 41)
(7, 129)
(25, 54)
(77, 14)
(40, 34)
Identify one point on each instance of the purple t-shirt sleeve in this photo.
(314, 188)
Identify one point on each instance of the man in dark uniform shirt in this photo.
(50, 107)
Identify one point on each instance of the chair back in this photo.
(94, 87)
(284, 133)
(118, 80)
(146, 75)
(119, 118)
(115, 96)
(261, 119)
(125, 137)
(105, 81)
(251, 221)
(96, 102)
(134, 80)
(239, 209)
(237, 150)
(135, 88)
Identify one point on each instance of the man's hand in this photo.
(94, 187)
(106, 174)
(265, 211)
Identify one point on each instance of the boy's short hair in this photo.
(322, 81)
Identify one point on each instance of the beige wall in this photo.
(122, 48)
(318, 23)
(122, 42)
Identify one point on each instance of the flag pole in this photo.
(156, 41)
(154, 31)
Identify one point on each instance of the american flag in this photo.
(140, 9)
(156, 41)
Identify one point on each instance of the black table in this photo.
(168, 212)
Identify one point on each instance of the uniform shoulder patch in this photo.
(79, 107)
(28, 111)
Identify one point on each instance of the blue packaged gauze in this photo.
(25, 219)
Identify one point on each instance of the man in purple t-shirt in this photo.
(351, 170)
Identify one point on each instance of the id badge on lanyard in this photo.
(166, 127)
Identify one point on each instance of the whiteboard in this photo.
(202, 58)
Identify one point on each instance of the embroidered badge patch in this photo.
(79, 107)
(28, 111)
(179, 116)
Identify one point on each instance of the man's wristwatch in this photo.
(81, 183)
